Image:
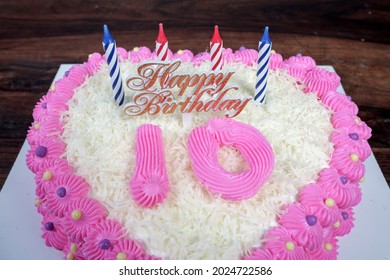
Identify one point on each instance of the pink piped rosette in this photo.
(327, 203)
(309, 228)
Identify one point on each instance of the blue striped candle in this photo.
(109, 46)
(265, 46)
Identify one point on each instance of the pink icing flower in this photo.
(126, 249)
(94, 63)
(67, 188)
(140, 54)
(345, 193)
(246, 56)
(201, 57)
(345, 138)
(101, 239)
(327, 250)
(49, 172)
(303, 225)
(347, 162)
(259, 254)
(48, 126)
(82, 214)
(337, 101)
(275, 61)
(318, 200)
(228, 56)
(122, 54)
(321, 81)
(282, 246)
(39, 154)
(40, 110)
(299, 65)
(52, 232)
(73, 251)
(183, 55)
(345, 222)
(351, 122)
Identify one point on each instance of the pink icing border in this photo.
(105, 235)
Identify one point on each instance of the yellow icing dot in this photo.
(89, 55)
(354, 157)
(362, 180)
(329, 202)
(76, 215)
(180, 52)
(357, 120)
(121, 256)
(37, 126)
(289, 246)
(47, 176)
(273, 52)
(53, 87)
(328, 246)
(136, 49)
(336, 224)
(70, 256)
(38, 202)
(73, 248)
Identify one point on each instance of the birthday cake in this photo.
(196, 156)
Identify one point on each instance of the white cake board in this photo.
(20, 232)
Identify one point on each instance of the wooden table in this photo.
(37, 36)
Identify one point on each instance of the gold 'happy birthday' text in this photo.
(159, 90)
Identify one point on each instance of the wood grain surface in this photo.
(37, 36)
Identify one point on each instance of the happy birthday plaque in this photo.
(161, 88)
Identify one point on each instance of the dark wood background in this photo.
(37, 36)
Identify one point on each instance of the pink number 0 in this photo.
(149, 184)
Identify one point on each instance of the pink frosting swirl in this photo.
(76, 76)
(53, 233)
(83, 213)
(321, 81)
(327, 251)
(259, 254)
(337, 101)
(298, 66)
(345, 138)
(345, 193)
(246, 56)
(282, 246)
(184, 56)
(302, 223)
(275, 61)
(352, 122)
(49, 126)
(347, 162)
(345, 222)
(73, 251)
(67, 188)
(140, 54)
(126, 249)
(50, 171)
(203, 144)
(318, 200)
(48, 148)
(101, 239)
(40, 110)
(122, 54)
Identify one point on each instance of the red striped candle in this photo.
(161, 44)
(216, 44)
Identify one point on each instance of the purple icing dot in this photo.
(49, 226)
(105, 244)
(61, 191)
(299, 55)
(345, 215)
(66, 73)
(349, 97)
(44, 105)
(311, 220)
(353, 136)
(41, 151)
(344, 179)
(242, 48)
